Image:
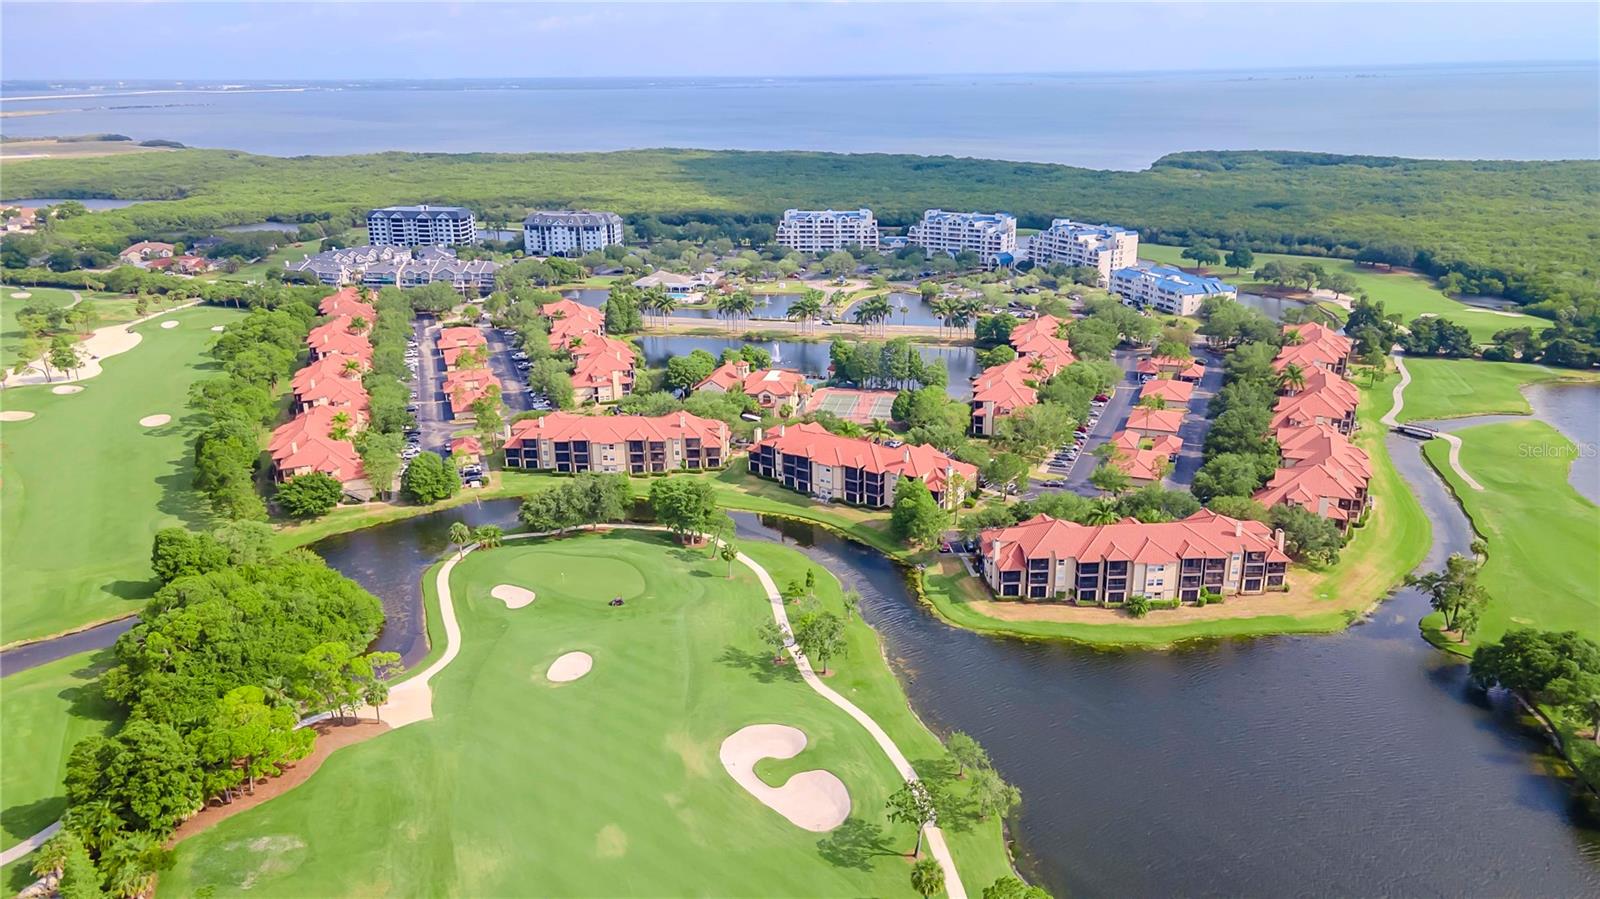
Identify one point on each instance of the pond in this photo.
(1272, 307)
(93, 205)
(1360, 763)
(284, 227)
(812, 358)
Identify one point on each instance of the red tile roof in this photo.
(1038, 338)
(336, 339)
(466, 446)
(569, 426)
(1306, 408)
(347, 301)
(1174, 391)
(304, 444)
(1133, 441)
(461, 338)
(1011, 385)
(1155, 420)
(466, 386)
(1205, 534)
(325, 380)
(1183, 368)
(814, 442)
(781, 383)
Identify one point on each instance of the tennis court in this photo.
(860, 406)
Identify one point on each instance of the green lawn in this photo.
(11, 337)
(257, 271)
(44, 711)
(610, 785)
(86, 487)
(1407, 293)
(1455, 388)
(1544, 538)
(1394, 541)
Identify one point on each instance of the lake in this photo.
(1098, 120)
(91, 205)
(960, 362)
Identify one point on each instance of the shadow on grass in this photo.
(27, 820)
(759, 664)
(854, 844)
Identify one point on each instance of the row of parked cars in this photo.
(1061, 463)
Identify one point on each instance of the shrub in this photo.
(1138, 605)
(309, 495)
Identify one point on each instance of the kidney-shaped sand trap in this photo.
(15, 415)
(66, 388)
(154, 421)
(813, 800)
(219, 327)
(20, 295)
(570, 667)
(169, 324)
(513, 596)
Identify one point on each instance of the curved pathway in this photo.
(101, 344)
(1447, 437)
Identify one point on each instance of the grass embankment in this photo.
(44, 711)
(1394, 541)
(86, 486)
(1457, 388)
(289, 252)
(1544, 537)
(609, 785)
(1407, 293)
(11, 336)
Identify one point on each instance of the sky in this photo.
(288, 41)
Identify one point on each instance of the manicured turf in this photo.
(609, 785)
(11, 337)
(1544, 538)
(44, 711)
(1455, 388)
(1392, 543)
(86, 488)
(1407, 293)
(287, 252)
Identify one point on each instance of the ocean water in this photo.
(1110, 121)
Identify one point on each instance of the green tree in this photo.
(1110, 478)
(915, 804)
(65, 354)
(965, 752)
(916, 518)
(729, 553)
(1240, 259)
(927, 877)
(776, 639)
(1307, 536)
(80, 879)
(380, 458)
(429, 479)
(1202, 255)
(310, 495)
(685, 506)
(685, 372)
(821, 636)
(1010, 887)
(1452, 591)
(992, 795)
(489, 536)
(178, 552)
(460, 536)
(1138, 605)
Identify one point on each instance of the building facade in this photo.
(624, 444)
(570, 232)
(989, 234)
(1166, 289)
(1047, 558)
(1104, 248)
(422, 226)
(826, 230)
(809, 459)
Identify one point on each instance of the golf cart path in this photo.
(102, 343)
(412, 700)
(1447, 437)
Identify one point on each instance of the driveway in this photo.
(1196, 425)
(513, 386)
(1112, 418)
(433, 412)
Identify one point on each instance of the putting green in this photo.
(1456, 388)
(610, 785)
(85, 487)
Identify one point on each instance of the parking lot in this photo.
(1069, 468)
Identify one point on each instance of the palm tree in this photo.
(873, 310)
(659, 302)
(352, 366)
(340, 426)
(943, 309)
(1292, 379)
(904, 311)
(460, 535)
(927, 877)
(134, 860)
(96, 823)
(729, 552)
(489, 536)
(879, 430)
(735, 305)
(806, 309)
(1103, 511)
(51, 858)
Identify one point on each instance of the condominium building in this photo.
(570, 232)
(773, 388)
(1166, 289)
(810, 459)
(826, 230)
(1104, 248)
(1047, 558)
(376, 266)
(992, 235)
(631, 444)
(422, 226)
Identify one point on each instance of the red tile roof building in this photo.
(1044, 558)
(1323, 472)
(1002, 389)
(1155, 421)
(347, 301)
(602, 369)
(305, 444)
(1318, 346)
(325, 382)
(1172, 390)
(1145, 459)
(1182, 369)
(146, 249)
(335, 338)
(1037, 337)
(809, 459)
(773, 388)
(465, 386)
(630, 444)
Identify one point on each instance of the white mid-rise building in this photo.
(1105, 248)
(1167, 289)
(826, 230)
(992, 235)
(421, 226)
(570, 232)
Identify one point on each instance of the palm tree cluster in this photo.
(957, 314)
(737, 305)
(807, 309)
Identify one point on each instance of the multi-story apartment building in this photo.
(570, 232)
(1046, 558)
(826, 230)
(1166, 289)
(809, 459)
(1104, 248)
(422, 226)
(992, 235)
(629, 444)
(378, 267)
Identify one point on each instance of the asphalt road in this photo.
(433, 412)
(1112, 418)
(32, 655)
(1196, 425)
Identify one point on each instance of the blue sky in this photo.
(418, 40)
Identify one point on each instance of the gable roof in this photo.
(569, 426)
(1172, 390)
(1205, 534)
(813, 441)
(1142, 419)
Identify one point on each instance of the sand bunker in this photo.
(813, 800)
(154, 421)
(570, 667)
(15, 415)
(66, 389)
(169, 324)
(513, 596)
(219, 327)
(20, 295)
